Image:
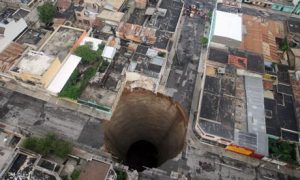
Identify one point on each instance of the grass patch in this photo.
(77, 83)
(47, 145)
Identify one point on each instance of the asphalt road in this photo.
(27, 115)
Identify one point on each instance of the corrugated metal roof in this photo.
(256, 112)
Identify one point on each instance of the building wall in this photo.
(24, 76)
(42, 80)
(84, 19)
(51, 72)
(226, 41)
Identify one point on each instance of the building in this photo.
(99, 170)
(61, 77)
(92, 42)
(87, 13)
(28, 165)
(110, 17)
(227, 29)
(109, 53)
(9, 56)
(36, 68)
(260, 37)
(42, 68)
(292, 6)
(86, 16)
(63, 5)
(63, 41)
(261, 3)
(136, 33)
(10, 28)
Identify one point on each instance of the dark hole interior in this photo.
(142, 154)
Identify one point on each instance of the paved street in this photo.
(266, 13)
(27, 115)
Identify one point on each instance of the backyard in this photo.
(91, 63)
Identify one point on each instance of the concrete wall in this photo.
(51, 72)
(226, 41)
(42, 80)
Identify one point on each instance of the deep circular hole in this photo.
(142, 154)
(146, 129)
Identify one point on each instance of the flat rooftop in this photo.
(5, 14)
(31, 36)
(162, 39)
(94, 170)
(111, 16)
(20, 13)
(239, 58)
(228, 25)
(7, 144)
(36, 63)
(218, 108)
(260, 36)
(61, 42)
(9, 13)
(170, 20)
(115, 4)
(293, 25)
(149, 63)
(280, 113)
(137, 17)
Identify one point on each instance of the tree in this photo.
(87, 54)
(46, 12)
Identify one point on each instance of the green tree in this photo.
(46, 12)
(87, 54)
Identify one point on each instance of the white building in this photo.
(227, 29)
(109, 53)
(11, 30)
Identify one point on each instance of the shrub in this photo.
(204, 40)
(75, 174)
(49, 144)
(282, 150)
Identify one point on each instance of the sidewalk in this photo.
(41, 95)
(270, 11)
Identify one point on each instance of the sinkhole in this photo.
(146, 129)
